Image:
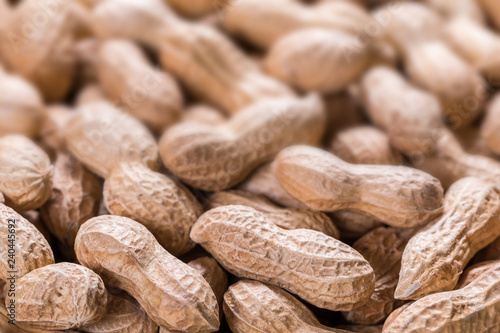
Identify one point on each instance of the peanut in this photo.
(128, 78)
(31, 249)
(127, 256)
(321, 270)
(394, 314)
(75, 198)
(197, 8)
(215, 158)
(286, 218)
(90, 94)
(365, 145)
(411, 118)
(353, 224)
(86, 53)
(451, 9)
(491, 252)
(33, 216)
(396, 195)
(252, 307)
(101, 136)
(25, 173)
(470, 309)
(163, 206)
(436, 256)
(490, 126)
(492, 9)
(205, 114)
(474, 271)
(58, 297)
(52, 130)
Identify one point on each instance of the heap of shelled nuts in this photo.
(249, 166)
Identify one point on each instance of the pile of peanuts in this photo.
(249, 166)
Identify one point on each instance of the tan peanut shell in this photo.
(449, 162)
(280, 18)
(492, 9)
(490, 252)
(491, 125)
(397, 195)
(127, 256)
(101, 136)
(213, 274)
(204, 114)
(471, 309)
(317, 59)
(411, 117)
(130, 80)
(254, 307)
(31, 249)
(451, 9)
(21, 107)
(123, 315)
(75, 198)
(163, 206)
(91, 93)
(320, 269)
(38, 45)
(25, 173)
(474, 271)
(215, 158)
(58, 297)
(394, 314)
(436, 256)
(365, 145)
(286, 218)
(33, 216)
(383, 248)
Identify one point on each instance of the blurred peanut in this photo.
(490, 129)
(492, 9)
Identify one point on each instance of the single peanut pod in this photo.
(436, 256)
(254, 307)
(476, 44)
(397, 195)
(471, 309)
(163, 206)
(59, 297)
(394, 314)
(90, 94)
(102, 136)
(197, 8)
(204, 114)
(474, 271)
(263, 182)
(317, 59)
(492, 10)
(491, 125)
(21, 107)
(410, 116)
(127, 256)
(451, 9)
(215, 158)
(365, 145)
(449, 162)
(353, 224)
(75, 198)
(25, 173)
(123, 315)
(40, 48)
(280, 18)
(128, 78)
(214, 69)
(320, 269)
(286, 218)
(383, 248)
(32, 250)
(490, 252)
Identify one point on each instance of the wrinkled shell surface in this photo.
(474, 271)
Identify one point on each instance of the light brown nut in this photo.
(215, 158)
(383, 248)
(365, 145)
(279, 18)
(476, 44)
(492, 10)
(353, 224)
(254, 307)
(123, 315)
(21, 107)
(163, 206)
(306, 59)
(129, 80)
(491, 125)
(29, 250)
(51, 136)
(25, 173)
(397, 195)
(450, 162)
(286, 218)
(320, 269)
(451, 9)
(127, 256)
(490, 252)
(410, 116)
(471, 309)
(213, 273)
(75, 198)
(42, 52)
(90, 94)
(474, 271)
(394, 314)
(459, 86)
(203, 114)
(101, 136)
(436, 256)
(263, 182)
(58, 297)
(33, 216)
